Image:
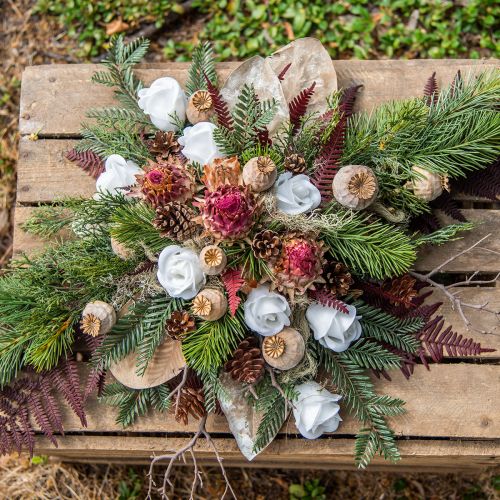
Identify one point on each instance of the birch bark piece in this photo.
(258, 72)
(310, 62)
(241, 417)
(167, 362)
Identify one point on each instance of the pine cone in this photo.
(401, 290)
(163, 145)
(175, 221)
(266, 245)
(338, 278)
(179, 324)
(295, 163)
(191, 402)
(247, 364)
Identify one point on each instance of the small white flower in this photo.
(199, 144)
(179, 272)
(118, 173)
(296, 194)
(266, 313)
(333, 328)
(316, 410)
(164, 99)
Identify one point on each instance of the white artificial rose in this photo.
(199, 144)
(163, 100)
(266, 313)
(118, 173)
(333, 328)
(296, 194)
(179, 272)
(316, 410)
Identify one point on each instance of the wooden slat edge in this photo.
(54, 98)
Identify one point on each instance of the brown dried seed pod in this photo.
(101, 311)
(200, 107)
(260, 173)
(427, 185)
(210, 304)
(288, 356)
(212, 260)
(355, 186)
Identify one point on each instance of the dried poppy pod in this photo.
(355, 186)
(200, 107)
(260, 173)
(212, 260)
(285, 350)
(98, 318)
(210, 304)
(427, 185)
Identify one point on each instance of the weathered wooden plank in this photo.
(326, 453)
(54, 98)
(450, 400)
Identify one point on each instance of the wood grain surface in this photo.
(452, 420)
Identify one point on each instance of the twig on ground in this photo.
(180, 454)
(456, 302)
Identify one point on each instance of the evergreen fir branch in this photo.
(225, 140)
(46, 221)
(132, 225)
(275, 410)
(154, 329)
(88, 161)
(134, 403)
(145, 320)
(121, 59)
(298, 106)
(212, 389)
(443, 235)
(211, 344)
(370, 246)
(108, 117)
(202, 68)
(372, 355)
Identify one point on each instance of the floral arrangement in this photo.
(249, 250)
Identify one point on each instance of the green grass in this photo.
(349, 28)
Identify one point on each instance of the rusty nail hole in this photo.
(52, 79)
(24, 189)
(26, 116)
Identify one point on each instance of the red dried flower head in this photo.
(229, 212)
(166, 181)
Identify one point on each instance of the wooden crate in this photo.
(453, 411)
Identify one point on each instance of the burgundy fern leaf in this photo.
(328, 162)
(283, 72)
(431, 91)
(425, 223)
(37, 410)
(233, 282)
(221, 108)
(436, 341)
(325, 298)
(457, 83)
(484, 183)
(298, 106)
(51, 408)
(88, 161)
(67, 382)
(348, 99)
(26, 429)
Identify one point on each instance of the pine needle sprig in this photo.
(372, 355)
(202, 68)
(211, 344)
(443, 235)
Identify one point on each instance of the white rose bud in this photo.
(199, 144)
(296, 194)
(266, 313)
(333, 328)
(118, 173)
(316, 410)
(179, 272)
(164, 99)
